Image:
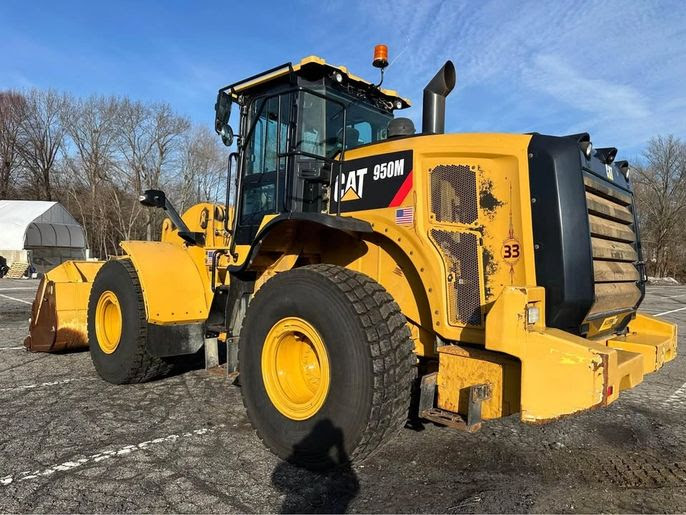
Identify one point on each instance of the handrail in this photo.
(228, 192)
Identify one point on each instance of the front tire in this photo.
(118, 329)
(326, 364)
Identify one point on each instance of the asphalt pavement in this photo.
(70, 442)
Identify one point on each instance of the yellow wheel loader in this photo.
(371, 272)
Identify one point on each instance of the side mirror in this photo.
(222, 109)
(153, 198)
(227, 135)
(157, 198)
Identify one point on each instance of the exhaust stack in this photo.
(433, 115)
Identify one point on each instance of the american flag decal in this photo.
(404, 215)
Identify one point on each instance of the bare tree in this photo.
(92, 127)
(134, 148)
(168, 128)
(41, 137)
(97, 154)
(202, 168)
(150, 137)
(12, 111)
(661, 193)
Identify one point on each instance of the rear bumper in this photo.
(654, 339)
(561, 373)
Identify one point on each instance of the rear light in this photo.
(606, 155)
(624, 168)
(532, 315)
(610, 389)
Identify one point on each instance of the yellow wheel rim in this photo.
(295, 368)
(108, 322)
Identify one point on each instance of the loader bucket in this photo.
(59, 314)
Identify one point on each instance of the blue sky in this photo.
(614, 69)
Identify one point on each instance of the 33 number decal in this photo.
(511, 250)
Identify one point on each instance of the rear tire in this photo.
(369, 365)
(124, 359)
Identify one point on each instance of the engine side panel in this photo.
(459, 211)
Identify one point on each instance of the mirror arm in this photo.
(157, 198)
(190, 237)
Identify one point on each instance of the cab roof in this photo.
(235, 89)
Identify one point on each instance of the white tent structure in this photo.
(40, 233)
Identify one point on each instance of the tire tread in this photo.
(391, 350)
(144, 366)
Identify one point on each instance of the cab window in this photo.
(364, 133)
(263, 153)
(264, 157)
(321, 124)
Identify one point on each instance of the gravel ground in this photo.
(71, 442)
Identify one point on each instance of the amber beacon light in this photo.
(380, 56)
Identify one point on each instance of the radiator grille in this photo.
(613, 243)
(460, 253)
(453, 194)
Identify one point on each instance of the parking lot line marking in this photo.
(18, 300)
(42, 385)
(102, 455)
(12, 348)
(17, 289)
(671, 311)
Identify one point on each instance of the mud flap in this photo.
(174, 340)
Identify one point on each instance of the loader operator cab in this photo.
(295, 124)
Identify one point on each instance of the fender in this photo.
(345, 224)
(176, 294)
(412, 273)
(174, 291)
(243, 278)
(375, 247)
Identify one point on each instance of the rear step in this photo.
(629, 369)
(654, 339)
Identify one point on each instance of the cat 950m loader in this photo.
(371, 272)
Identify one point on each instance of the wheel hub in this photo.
(108, 322)
(295, 368)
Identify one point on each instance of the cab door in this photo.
(265, 165)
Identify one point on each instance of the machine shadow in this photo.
(190, 362)
(327, 489)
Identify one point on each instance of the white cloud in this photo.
(607, 67)
(571, 85)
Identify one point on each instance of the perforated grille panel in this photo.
(453, 194)
(460, 252)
